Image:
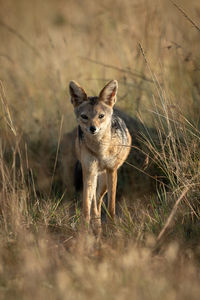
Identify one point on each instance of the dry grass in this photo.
(152, 252)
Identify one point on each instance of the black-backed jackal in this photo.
(102, 145)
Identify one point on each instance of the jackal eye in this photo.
(83, 116)
(101, 116)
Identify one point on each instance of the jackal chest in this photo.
(101, 155)
(113, 158)
(102, 159)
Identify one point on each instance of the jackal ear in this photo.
(109, 92)
(78, 95)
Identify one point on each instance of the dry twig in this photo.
(186, 15)
(16, 33)
(171, 216)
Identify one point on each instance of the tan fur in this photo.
(100, 147)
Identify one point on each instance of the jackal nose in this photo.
(92, 129)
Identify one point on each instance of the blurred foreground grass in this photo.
(43, 251)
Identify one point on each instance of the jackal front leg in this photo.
(101, 190)
(96, 203)
(89, 190)
(112, 185)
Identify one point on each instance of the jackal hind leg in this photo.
(95, 219)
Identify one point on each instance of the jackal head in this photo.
(93, 113)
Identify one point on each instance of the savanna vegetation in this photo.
(152, 251)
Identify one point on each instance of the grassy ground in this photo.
(152, 49)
